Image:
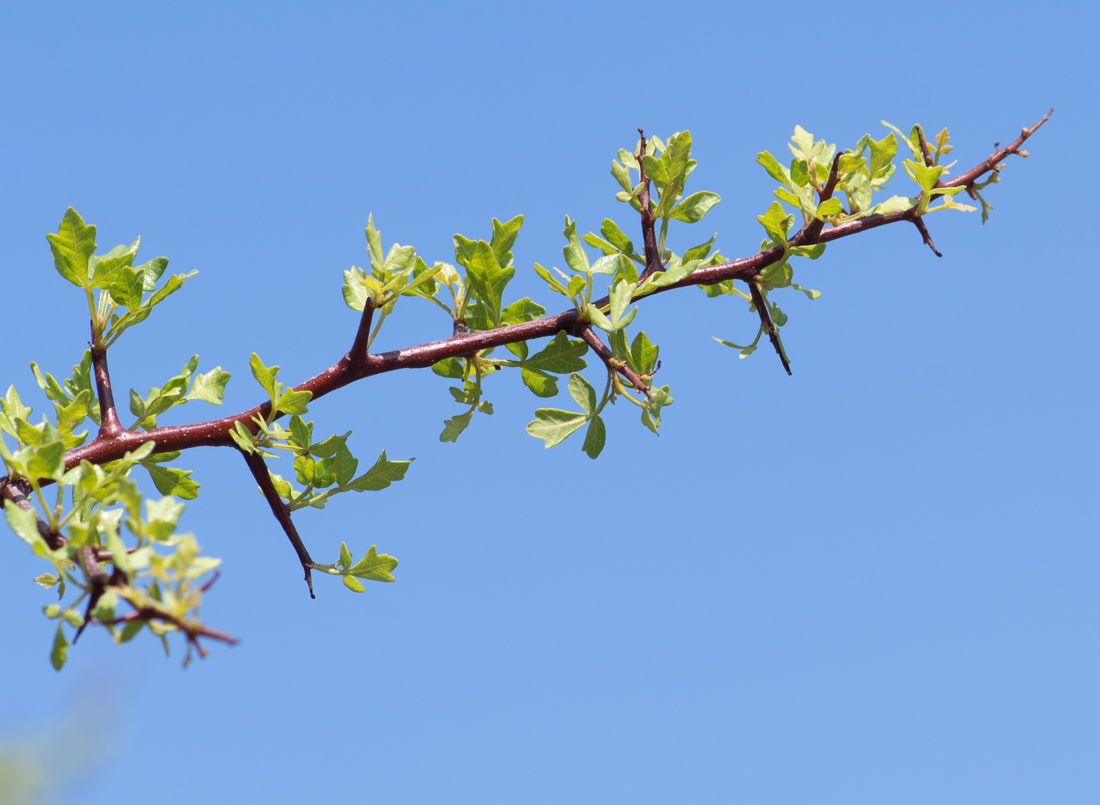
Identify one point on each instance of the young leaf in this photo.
(693, 208)
(72, 247)
(581, 391)
(595, 437)
(560, 356)
(554, 426)
(374, 566)
(488, 279)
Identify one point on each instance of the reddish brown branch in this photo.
(109, 425)
(357, 355)
(282, 513)
(216, 432)
(586, 332)
(994, 160)
(923, 229)
(813, 229)
(767, 324)
(649, 234)
(18, 491)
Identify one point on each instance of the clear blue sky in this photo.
(874, 581)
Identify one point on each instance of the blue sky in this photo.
(872, 581)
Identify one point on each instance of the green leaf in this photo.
(776, 222)
(553, 426)
(581, 391)
(542, 384)
(504, 237)
(701, 251)
(487, 278)
(128, 288)
(694, 207)
(105, 271)
(354, 584)
(374, 566)
(522, 311)
(374, 245)
(643, 355)
(60, 651)
(453, 427)
(464, 250)
(382, 474)
(561, 356)
(355, 293)
(809, 293)
(519, 349)
(24, 523)
(72, 247)
(449, 367)
(48, 461)
(152, 272)
(607, 265)
(812, 252)
(882, 157)
(615, 236)
(830, 206)
(595, 437)
(265, 377)
(172, 481)
(551, 281)
(774, 169)
(892, 204)
(574, 253)
(293, 402)
(209, 387)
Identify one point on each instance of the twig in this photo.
(282, 513)
(925, 149)
(923, 229)
(357, 355)
(810, 232)
(109, 425)
(586, 332)
(766, 321)
(649, 234)
(990, 164)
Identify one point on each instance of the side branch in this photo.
(109, 425)
(767, 324)
(358, 352)
(649, 232)
(991, 164)
(259, 471)
(600, 348)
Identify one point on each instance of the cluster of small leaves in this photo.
(862, 171)
(153, 569)
(121, 301)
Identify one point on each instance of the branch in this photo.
(586, 332)
(991, 164)
(766, 323)
(920, 225)
(109, 425)
(649, 235)
(815, 226)
(215, 433)
(259, 471)
(357, 355)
